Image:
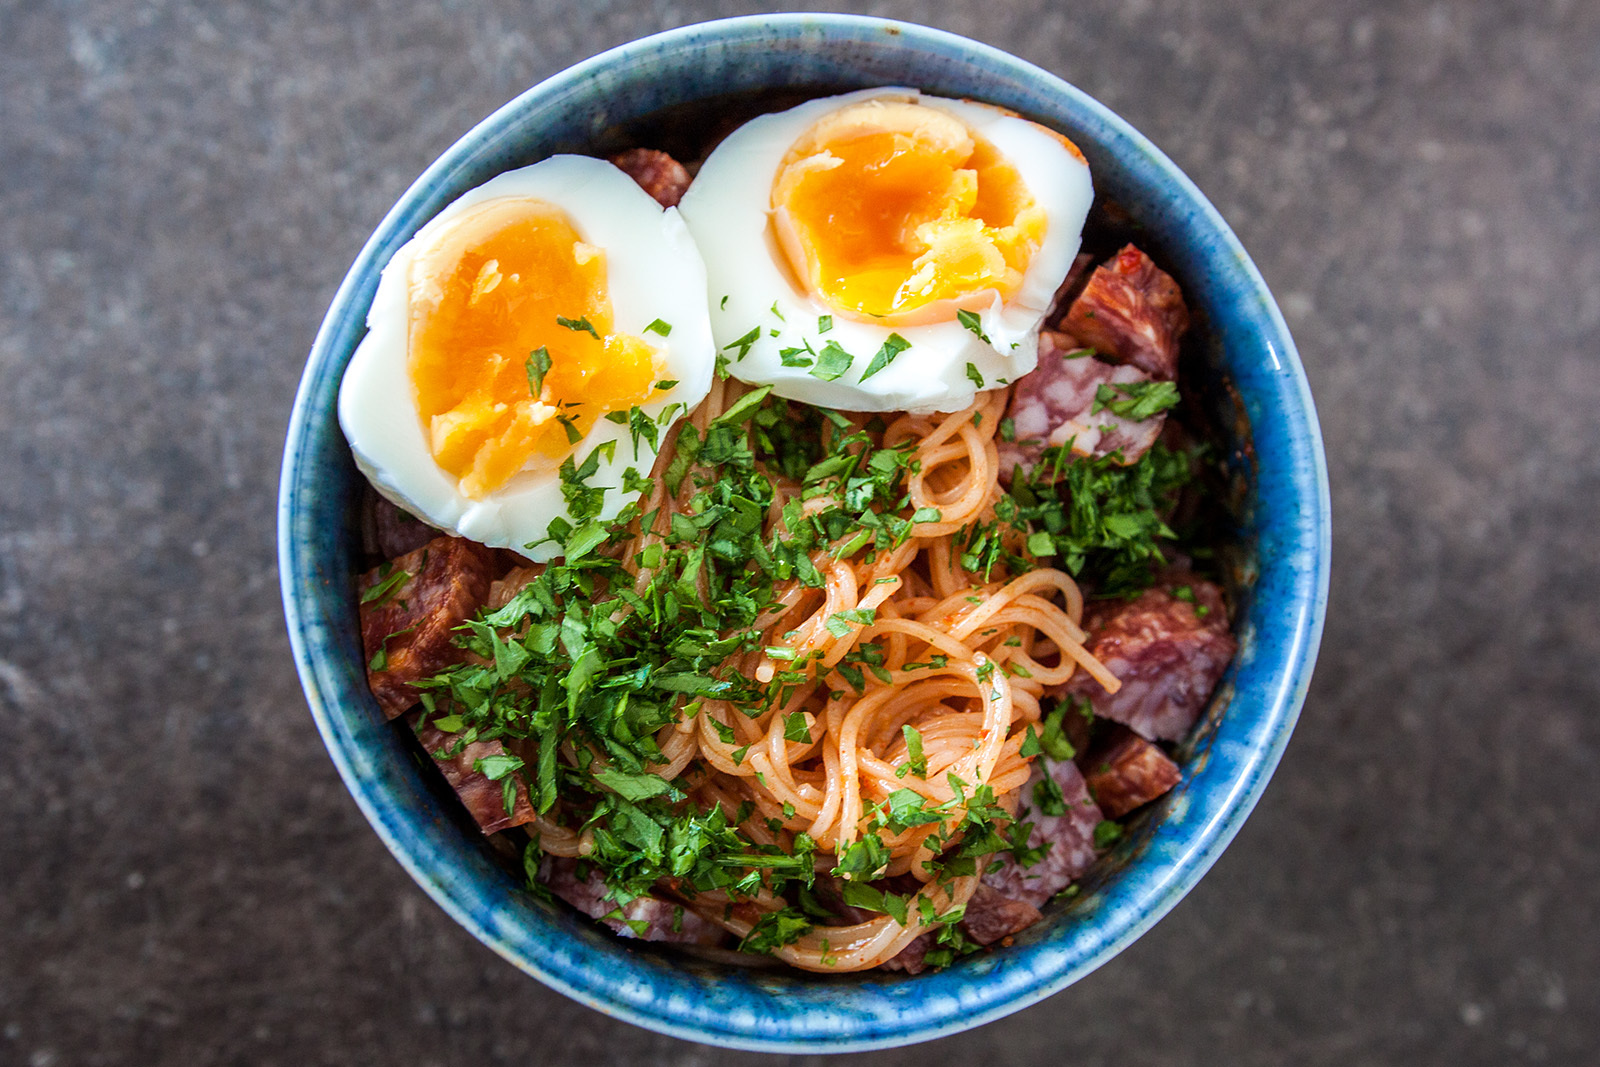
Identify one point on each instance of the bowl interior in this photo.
(1282, 535)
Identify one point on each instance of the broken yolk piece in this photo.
(500, 383)
(887, 206)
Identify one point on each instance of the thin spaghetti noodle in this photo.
(956, 660)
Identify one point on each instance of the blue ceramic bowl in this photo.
(1282, 543)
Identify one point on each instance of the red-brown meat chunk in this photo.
(913, 959)
(656, 172)
(1054, 404)
(648, 918)
(484, 798)
(1070, 836)
(1168, 646)
(1008, 899)
(1131, 312)
(388, 531)
(991, 915)
(410, 618)
(1129, 773)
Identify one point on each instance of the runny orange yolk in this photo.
(886, 206)
(485, 299)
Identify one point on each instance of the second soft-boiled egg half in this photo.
(527, 351)
(885, 250)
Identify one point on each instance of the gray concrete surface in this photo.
(184, 879)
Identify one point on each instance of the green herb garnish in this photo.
(971, 321)
(580, 324)
(538, 365)
(893, 345)
(1137, 400)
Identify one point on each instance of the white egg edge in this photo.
(725, 216)
(377, 410)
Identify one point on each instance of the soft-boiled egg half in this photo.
(885, 250)
(548, 326)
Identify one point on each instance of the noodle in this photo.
(965, 658)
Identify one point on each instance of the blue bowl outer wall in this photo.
(1287, 519)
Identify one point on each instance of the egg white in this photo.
(728, 209)
(653, 271)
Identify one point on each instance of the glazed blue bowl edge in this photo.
(1286, 521)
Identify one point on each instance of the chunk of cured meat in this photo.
(1129, 773)
(411, 606)
(1167, 647)
(1070, 836)
(1131, 311)
(1053, 404)
(389, 531)
(648, 918)
(483, 797)
(657, 173)
(913, 959)
(505, 588)
(991, 915)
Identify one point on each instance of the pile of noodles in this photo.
(973, 719)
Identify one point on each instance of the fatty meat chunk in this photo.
(991, 915)
(657, 173)
(411, 607)
(1169, 646)
(483, 797)
(1131, 311)
(1069, 835)
(1129, 773)
(1053, 404)
(651, 918)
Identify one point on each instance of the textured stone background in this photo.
(184, 879)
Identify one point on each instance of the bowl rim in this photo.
(594, 986)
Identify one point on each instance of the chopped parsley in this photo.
(597, 654)
(971, 321)
(861, 895)
(390, 580)
(580, 324)
(586, 658)
(659, 326)
(1095, 514)
(743, 344)
(893, 345)
(1137, 400)
(795, 728)
(832, 362)
(774, 930)
(915, 762)
(1047, 797)
(538, 366)
(796, 357)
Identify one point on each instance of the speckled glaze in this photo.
(1283, 526)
